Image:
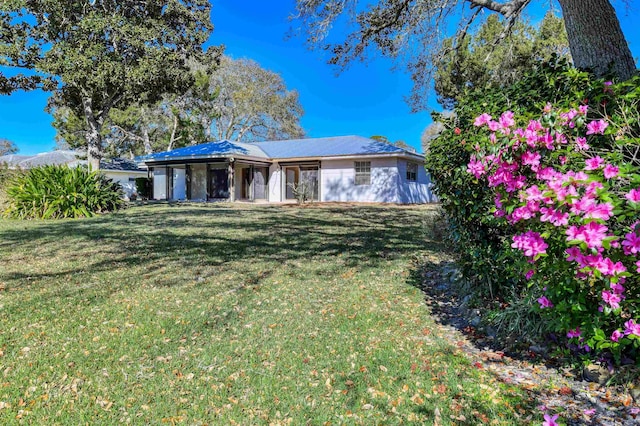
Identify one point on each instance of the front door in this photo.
(219, 183)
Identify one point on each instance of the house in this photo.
(348, 168)
(117, 169)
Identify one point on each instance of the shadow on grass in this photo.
(203, 240)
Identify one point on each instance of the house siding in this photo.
(123, 178)
(338, 181)
(414, 192)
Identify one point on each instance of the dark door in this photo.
(260, 183)
(245, 192)
(219, 183)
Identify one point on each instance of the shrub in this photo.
(476, 237)
(54, 192)
(574, 215)
(303, 190)
(483, 241)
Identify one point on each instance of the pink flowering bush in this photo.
(574, 211)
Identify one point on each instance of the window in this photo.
(412, 172)
(363, 172)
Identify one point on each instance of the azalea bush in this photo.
(55, 192)
(568, 186)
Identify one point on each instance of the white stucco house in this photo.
(347, 168)
(119, 170)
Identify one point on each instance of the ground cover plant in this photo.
(226, 314)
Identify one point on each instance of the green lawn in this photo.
(224, 314)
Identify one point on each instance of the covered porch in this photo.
(225, 179)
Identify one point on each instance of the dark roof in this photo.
(120, 164)
(283, 149)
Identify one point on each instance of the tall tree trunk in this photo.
(93, 136)
(596, 39)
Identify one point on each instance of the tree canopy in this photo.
(476, 61)
(102, 54)
(411, 31)
(236, 100)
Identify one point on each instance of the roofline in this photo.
(352, 157)
(203, 157)
(403, 154)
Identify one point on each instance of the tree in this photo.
(477, 62)
(416, 28)
(253, 103)
(238, 100)
(102, 54)
(7, 147)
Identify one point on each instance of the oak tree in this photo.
(417, 28)
(98, 55)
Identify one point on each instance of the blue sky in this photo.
(366, 99)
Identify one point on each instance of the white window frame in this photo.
(412, 175)
(362, 172)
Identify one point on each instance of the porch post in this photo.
(208, 182)
(188, 180)
(232, 183)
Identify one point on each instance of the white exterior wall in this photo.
(417, 192)
(275, 184)
(122, 177)
(338, 181)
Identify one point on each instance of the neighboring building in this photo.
(348, 168)
(118, 169)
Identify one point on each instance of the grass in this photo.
(228, 314)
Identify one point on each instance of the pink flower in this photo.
(475, 167)
(592, 233)
(482, 120)
(617, 288)
(531, 243)
(574, 333)
(616, 335)
(494, 126)
(547, 108)
(638, 266)
(593, 163)
(602, 211)
(608, 268)
(612, 299)
(631, 328)
(550, 420)
(506, 119)
(581, 144)
(531, 159)
(544, 302)
(529, 274)
(583, 109)
(631, 243)
(633, 195)
(597, 127)
(610, 171)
